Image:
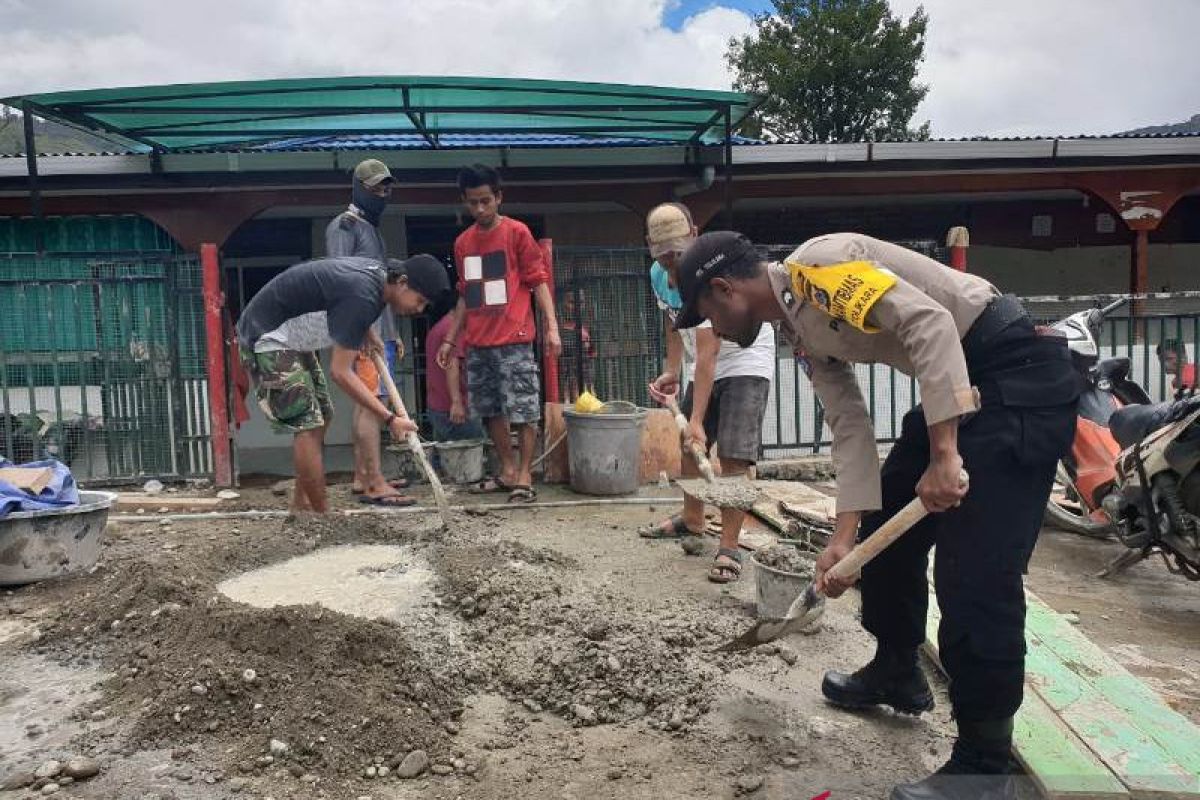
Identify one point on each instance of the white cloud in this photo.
(1045, 67)
(67, 44)
(1014, 67)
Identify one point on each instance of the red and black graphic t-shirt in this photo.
(497, 272)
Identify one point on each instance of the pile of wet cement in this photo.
(343, 692)
(544, 641)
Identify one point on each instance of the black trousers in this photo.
(1009, 449)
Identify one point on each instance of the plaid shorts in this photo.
(503, 382)
(290, 388)
(734, 417)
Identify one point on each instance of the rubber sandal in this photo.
(522, 494)
(678, 529)
(492, 485)
(387, 500)
(726, 571)
(397, 483)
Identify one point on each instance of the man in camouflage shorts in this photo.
(291, 389)
(504, 383)
(328, 302)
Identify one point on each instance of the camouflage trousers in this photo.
(290, 388)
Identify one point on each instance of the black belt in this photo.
(995, 318)
(1022, 370)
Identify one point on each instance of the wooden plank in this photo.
(1062, 767)
(1131, 754)
(1169, 729)
(32, 479)
(168, 501)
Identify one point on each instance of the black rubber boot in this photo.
(979, 767)
(893, 678)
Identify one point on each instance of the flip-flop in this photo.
(678, 529)
(492, 485)
(395, 483)
(726, 571)
(522, 494)
(387, 500)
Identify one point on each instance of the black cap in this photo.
(426, 275)
(712, 255)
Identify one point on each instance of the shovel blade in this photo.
(737, 493)
(805, 610)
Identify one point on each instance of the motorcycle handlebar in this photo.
(1113, 306)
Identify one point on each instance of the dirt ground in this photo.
(536, 653)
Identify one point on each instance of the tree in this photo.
(833, 71)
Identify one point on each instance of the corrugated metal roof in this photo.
(461, 141)
(248, 113)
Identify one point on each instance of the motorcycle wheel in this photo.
(1065, 511)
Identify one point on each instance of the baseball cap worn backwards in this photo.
(668, 229)
(712, 255)
(372, 172)
(426, 275)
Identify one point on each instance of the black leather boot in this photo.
(979, 767)
(893, 678)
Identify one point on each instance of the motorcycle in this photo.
(1088, 473)
(1133, 472)
(1156, 504)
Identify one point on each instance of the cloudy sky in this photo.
(995, 67)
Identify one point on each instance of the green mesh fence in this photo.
(611, 327)
(102, 364)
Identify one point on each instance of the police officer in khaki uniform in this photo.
(998, 399)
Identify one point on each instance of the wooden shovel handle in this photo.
(888, 532)
(697, 451)
(385, 375)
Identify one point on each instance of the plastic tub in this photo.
(35, 545)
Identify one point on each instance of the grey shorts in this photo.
(734, 416)
(503, 382)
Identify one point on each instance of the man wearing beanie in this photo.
(998, 398)
(306, 308)
(355, 232)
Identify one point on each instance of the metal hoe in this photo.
(414, 441)
(805, 608)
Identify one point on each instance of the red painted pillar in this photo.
(957, 240)
(214, 305)
(550, 365)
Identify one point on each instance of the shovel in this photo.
(737, 493)
(414, 441)
(807, 606)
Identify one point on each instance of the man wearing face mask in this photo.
(355, 232)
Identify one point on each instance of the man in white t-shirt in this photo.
(726, 399)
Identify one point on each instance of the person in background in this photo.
(501, 274)
(1172, 354)
(355, 232)
(577, 365)
(445, 389)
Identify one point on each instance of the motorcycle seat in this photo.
(1131, 424)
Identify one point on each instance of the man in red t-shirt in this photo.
(500, 273)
